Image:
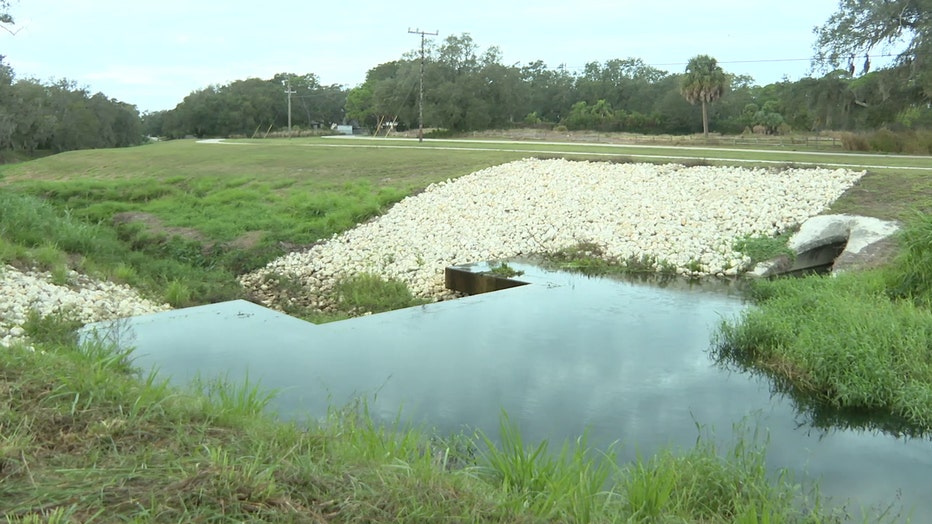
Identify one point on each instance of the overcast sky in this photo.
(153, 53)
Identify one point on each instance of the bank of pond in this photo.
(818, 384)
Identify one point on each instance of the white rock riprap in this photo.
(86, 299)
(685, 216)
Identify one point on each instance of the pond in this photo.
(627, 361)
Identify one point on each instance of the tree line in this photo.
(61, 116)
(467, 88)
(251, 107)
(471, 89)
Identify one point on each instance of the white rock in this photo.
(673, 213)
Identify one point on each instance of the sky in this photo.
(153, 53)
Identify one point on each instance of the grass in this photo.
(857, 342)
(761, 248)
(34, 233)
(194, 217)
(589, 258)
(88, 439)
(85, 438)
(365, 293)
(204, 213)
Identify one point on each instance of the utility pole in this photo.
(420, 103)
(289, 92)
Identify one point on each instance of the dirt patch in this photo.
(154, 226)
(248, 240)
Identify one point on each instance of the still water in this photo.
(627, 361)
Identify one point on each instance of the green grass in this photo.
(589, 258)
(775, 157)
(913, 276)
(88, 439)
(35, 233)
(208, 213)
(856, 342)
(369, 293)
(85, 438)
(761, 248)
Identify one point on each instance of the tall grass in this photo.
(572, 484)
(86, 438)
(913, 142)
(912, 277)
(854, 341)
(369, 293)
(34, 233)
(706, 484)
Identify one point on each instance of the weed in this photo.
(60, 275)
(854, 142)
(231, 402)
(694, 266)
(912, 271)
(57, 329)
(369, 293)
(177, 294)
(762, 248)
(585, 257)
(567, 485)
(125, 274)
(48, 256)
(589, 258)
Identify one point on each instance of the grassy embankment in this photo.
(855, 346)
(84, 438)
(182, 220)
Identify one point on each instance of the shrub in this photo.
(919, 142)
(854, 142)
(886, 141)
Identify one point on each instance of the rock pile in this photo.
(687, 217)
(83, 298)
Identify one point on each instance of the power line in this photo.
(420, 104)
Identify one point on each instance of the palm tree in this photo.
(704, 82)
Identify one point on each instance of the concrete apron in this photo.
(843, 242)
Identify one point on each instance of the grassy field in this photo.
(84, 438)
(194, 216)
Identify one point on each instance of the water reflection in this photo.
(820, 417)
(627, 361)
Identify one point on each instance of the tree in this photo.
(550, 92)
(861, 26)
(6, 19)
(704, 82)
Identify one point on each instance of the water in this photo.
(627, 361)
